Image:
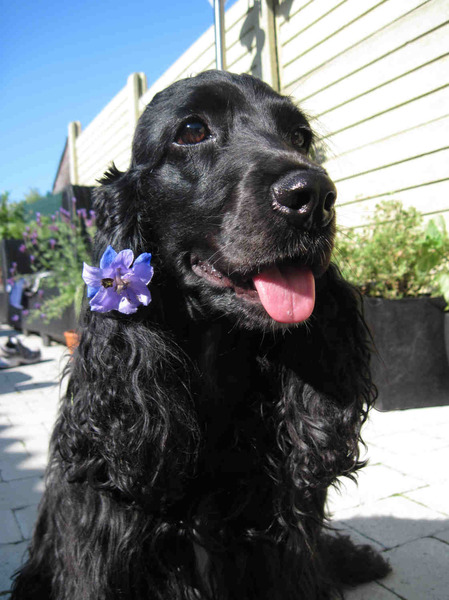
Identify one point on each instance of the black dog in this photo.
(198, 436)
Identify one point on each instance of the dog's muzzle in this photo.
(306, 198)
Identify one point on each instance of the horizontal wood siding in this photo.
(103, 139)
(374, 75)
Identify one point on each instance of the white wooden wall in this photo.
(108, 137)
(373, 74)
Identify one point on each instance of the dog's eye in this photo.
(301, 137)
(192, 132)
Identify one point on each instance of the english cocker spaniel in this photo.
(208, 412)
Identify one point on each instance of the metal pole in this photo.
(220, 44)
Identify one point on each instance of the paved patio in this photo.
(401, 504)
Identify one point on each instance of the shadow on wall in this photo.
(283, 8)
(251, 31)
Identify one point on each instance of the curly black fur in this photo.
(197, 438)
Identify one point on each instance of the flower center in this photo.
(117, 282)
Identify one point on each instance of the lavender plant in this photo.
(57, 247)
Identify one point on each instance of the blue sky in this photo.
(63, 61)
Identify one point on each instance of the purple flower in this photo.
(32, 258)
(65, 214)
(81, 212)
(53, 228)
(52, 243)
(22, 248)
(116, 285)
(25, 312)
(15, 318)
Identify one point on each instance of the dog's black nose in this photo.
(306, 197)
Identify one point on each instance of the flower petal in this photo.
(126, 307)
(129, 302)
(91, 291)
(123, 259)
(139, 289)
(92, 275)
(144, 257)
(107, 258)
(105, 300)
(143, 271)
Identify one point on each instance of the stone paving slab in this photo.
(420, 570)
(433, 496)
(370, 591)
(401, 504)
(373, 483)
(394, 521)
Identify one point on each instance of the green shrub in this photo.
(397, 255)
(12, 217)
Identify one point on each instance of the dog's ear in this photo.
(127, 423)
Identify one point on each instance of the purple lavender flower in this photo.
(65, 215)
(22, 248)
(116, 285)
(25, 312)
(52, 243)
(32, 258)
(53, 228)
(15, 318)
(81, 212)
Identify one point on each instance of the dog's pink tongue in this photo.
(286, 293)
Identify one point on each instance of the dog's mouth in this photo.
(286, 291)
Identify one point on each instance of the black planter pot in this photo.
(410, 367)
(446, 334)
(52, 330)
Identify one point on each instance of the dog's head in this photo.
(223, 191)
